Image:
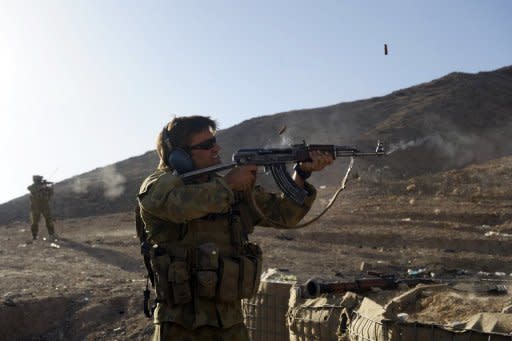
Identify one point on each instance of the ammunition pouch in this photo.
(207, 259)
(206, 274)
(240, 277)
(227, 290)
(160, 265)
(179, 277)
(250, 265)
(172, 276)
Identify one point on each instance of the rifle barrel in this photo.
(345, 153)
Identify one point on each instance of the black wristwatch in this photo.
(302, 173)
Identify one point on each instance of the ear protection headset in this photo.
(175, 157)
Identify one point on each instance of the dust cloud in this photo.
(80, 185)
(113, 182)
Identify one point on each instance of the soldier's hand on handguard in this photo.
(241, 178)
(319, 160)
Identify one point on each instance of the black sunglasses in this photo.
(205, 145)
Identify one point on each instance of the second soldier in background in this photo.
(41, 193)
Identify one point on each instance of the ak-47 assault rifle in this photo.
(275, 160)
(314, 287)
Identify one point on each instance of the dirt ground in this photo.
(88, 284)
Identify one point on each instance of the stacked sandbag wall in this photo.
(279, 312)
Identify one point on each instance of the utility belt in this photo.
(181, 273)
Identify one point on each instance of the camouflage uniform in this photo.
(204, 263)
(40, 194)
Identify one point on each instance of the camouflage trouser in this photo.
(35, 215)
(168, 331)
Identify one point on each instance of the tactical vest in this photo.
(209, 258)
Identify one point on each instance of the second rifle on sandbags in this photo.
(315, 287)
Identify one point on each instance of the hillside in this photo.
(448, 123)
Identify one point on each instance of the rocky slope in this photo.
(448, 123)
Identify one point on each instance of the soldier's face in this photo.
(206, 153)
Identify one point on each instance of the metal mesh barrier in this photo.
(265, 313)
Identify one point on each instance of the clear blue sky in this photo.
(84, 84)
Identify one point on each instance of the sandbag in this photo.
(491, 323)
(318, 318)
(373, 322)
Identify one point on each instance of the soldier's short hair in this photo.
(37, 178)
(179, 131)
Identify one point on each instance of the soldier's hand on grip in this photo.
(241, 178)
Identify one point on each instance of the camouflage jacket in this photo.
(192, 214)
